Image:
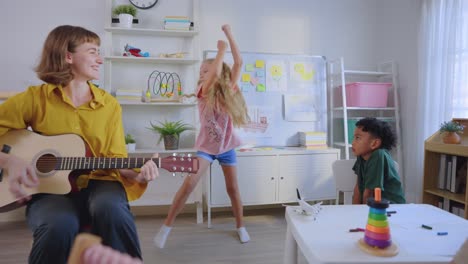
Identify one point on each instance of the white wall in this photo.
(330, 28)
(24, 27)
(398, 26)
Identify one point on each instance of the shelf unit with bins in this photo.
(433, 149)
(340, 113)
(131, 73)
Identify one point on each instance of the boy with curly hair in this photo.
(375, 168)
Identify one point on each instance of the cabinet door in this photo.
(311, 173)
(161, 191)
(257, 178)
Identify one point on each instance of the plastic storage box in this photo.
(367, 94)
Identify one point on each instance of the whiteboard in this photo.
(285, 94)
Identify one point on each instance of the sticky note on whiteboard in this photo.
(261, 87)
(249, 67)
(246, 77)
(259, 64)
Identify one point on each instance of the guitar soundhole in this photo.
(46, 163)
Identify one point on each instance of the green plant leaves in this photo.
(451, 126)
(169, 128)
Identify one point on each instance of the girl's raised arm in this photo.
(215, 67)
(236, 68)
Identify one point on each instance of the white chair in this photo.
(345, 179)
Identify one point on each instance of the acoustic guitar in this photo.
(57, 159)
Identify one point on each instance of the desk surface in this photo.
(327, 238)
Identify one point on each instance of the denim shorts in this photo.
(227, 158)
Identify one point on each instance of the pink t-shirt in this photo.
(217, 133)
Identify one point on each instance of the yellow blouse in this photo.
(49, 111)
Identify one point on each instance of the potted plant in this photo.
(451, 129)
(130, 142)
(170, 131)
(125, 14)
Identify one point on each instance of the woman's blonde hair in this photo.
(223, 97)
(52, 67)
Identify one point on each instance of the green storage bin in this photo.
(351, 126)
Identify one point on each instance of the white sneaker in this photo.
(243, 235)
(160, 238)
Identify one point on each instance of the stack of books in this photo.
(313, 140)
(131, 95)
(176, 23)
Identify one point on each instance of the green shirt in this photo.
(380, 172)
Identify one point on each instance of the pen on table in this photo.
(426, 227)
(357, 230)
(442, 233)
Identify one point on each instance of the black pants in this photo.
(55, 220)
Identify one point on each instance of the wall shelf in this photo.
(128, 102)
(150, 60)
(151, 32)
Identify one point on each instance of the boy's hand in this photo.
(222, 45)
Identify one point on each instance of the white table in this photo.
(327, 238)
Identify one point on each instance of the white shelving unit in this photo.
(340, 113)
(132, 73)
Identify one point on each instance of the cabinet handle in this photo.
(272, 178)
(282, 178)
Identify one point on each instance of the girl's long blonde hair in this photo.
(222, 97)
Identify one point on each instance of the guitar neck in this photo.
(91, 163)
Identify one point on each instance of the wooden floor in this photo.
(189, 242)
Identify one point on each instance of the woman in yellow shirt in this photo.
(68, 103)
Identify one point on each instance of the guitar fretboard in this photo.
(88, 163)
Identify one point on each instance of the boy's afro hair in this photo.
(379, 129)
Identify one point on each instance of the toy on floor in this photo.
(136, 52)
(377, 240)
(87, 249)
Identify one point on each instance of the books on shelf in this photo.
(452, 173)
(176, 23)
(130, 95)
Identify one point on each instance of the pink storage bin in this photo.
(367, 94)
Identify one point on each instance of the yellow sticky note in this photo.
(260, 64)
(249, 67)
(246, 77)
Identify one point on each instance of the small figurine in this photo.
(307, 209)
(136, 52)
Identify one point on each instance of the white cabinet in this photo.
(132, 74)
(342, 116)
(271, 176)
